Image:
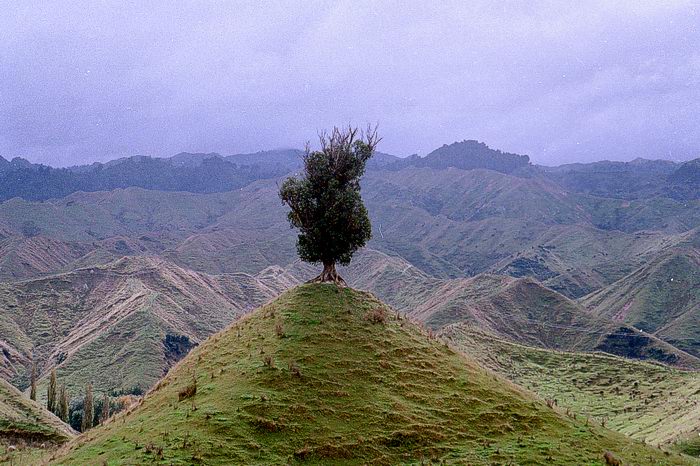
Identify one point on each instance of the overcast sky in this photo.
(560, 81)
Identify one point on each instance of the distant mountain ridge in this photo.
(467, 155)
(213, 172)
(201, 174)
(639, 178)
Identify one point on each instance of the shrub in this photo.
(266, 425)
(189, 391)
(376, 315)
(294, 369)
(267, 360)
(611, 460)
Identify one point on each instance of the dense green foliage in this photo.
(325, 204)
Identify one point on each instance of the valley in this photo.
(591, 293)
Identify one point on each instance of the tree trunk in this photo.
(329, 275)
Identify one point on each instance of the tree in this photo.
(105, 408)
(51, 404)
(325, 204)
(88, 410)
(32, 390)
(63, 406)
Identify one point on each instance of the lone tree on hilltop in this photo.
(325, 203)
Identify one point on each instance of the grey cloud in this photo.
(561, 81)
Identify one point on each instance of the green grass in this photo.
(339, 388)
(27, 427)
(21, 418)
(646, 401)
(24, 455)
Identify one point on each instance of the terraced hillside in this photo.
(331, 375)
(662, 297)
(447, 222)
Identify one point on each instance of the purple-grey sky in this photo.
(559, 80)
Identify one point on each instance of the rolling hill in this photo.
(331, 375)
(517, 309)
(27, 430)
(662, 297)
(111, 325)
(649, 402)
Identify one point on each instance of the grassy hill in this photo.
(25, 426)
(114, 325)
(474, 221)
(517, 309)
(649, 402)
(576, 260)
(326, 375)
(24, 419)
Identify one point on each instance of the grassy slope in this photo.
(368, 393)
(646, 401)
(578, 259)
(476, 219)
(21, 418)
(521, 309)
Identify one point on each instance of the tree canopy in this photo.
(325, 203)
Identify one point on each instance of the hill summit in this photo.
(469, 155)
(330, 375)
